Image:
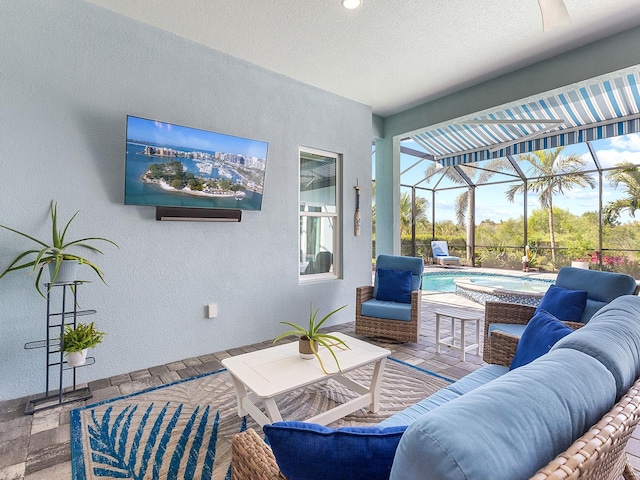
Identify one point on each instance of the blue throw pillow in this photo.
(308, 451)
(542, 332)
(394, 285)
(563, 303)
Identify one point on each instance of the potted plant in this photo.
(76, 341)
(55, 254)
(311, 338)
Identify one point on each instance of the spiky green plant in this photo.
(84, 335)
(312, 334)
(54, 253)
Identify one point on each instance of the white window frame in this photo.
(335, 216)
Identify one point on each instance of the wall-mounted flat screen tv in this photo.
(175, 166)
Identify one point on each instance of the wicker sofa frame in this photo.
(599, 454)
(399, 330)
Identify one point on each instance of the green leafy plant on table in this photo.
(54, 253)
(312, 335)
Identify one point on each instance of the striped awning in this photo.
(602, 107)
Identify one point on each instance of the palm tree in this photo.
(405, 212)
(552, 174)
(629, 176)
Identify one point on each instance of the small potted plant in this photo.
(76, 341)
(55, 255)
(311, 338)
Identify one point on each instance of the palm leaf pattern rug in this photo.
(183, 430)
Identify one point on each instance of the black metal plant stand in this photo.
(55, 393)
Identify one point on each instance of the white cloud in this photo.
(610, 158)
(629, 142)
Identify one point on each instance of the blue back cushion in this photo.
(564, 303)
(308, 451)
(612, 337)
(510, 427)
(394, 285)
(394, 262)
(601, 287)
(542, 332)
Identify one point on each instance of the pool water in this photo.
(444, 282)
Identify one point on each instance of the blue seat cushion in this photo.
(467, 383)
(563, 303)
(511, 427)
(515, 329)
(308, 451)
(386, 310)
(394, 285)
(612, 336)
(448, 258)
(542, 333)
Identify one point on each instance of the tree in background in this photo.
(629, 177)
(552, 174)
(405, 214)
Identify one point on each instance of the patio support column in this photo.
(388, 196)
(471, 226)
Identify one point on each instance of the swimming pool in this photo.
(482, 287)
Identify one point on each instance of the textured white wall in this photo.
(70, 72)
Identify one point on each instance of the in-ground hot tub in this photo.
(483, 287)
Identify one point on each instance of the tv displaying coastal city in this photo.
(176, 166)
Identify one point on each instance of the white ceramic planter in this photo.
(67, 273)
(76, 359)
(577, 264)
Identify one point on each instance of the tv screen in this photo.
(175, 166)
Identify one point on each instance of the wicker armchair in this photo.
(500, 348)
(379, 327)
(601, 288)
(399, 330)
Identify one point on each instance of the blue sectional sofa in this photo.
(501, 424)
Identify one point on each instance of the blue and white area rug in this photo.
(183, 430)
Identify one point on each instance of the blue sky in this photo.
(491, 202)
(192, 138)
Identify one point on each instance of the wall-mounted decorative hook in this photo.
(356, 218)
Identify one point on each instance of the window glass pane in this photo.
(556, 161)
(499, 224)
(316, 244)
(490, 171)
(617, 150)
(317, 183)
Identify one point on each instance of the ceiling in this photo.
(389, 54)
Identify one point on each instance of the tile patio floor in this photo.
(37, 447)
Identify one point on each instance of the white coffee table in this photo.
(263, 375)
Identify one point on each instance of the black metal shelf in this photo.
(55, 393)
(79, 313)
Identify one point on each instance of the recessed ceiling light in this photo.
(351, 4)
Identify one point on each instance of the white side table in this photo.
(452, 340)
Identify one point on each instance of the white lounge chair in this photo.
(440, 250)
